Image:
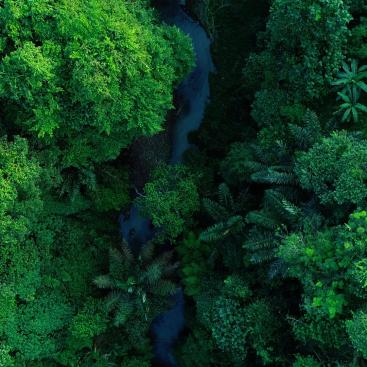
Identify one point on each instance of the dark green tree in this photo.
(139, 285)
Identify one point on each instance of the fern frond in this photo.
(165, 288)
(213, 233)
(293, 210)
(263, 256)
(215, 210)
(275, 202)
(259, 239)
(153, 273)
(271, 176)
(124, 310)
(223, 229)
(103, 281)
(262, 218)
(225, 196)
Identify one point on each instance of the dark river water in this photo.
(194, 92)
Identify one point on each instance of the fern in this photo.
(225, 196)
(215, 210)
(124, 309)
(262, 219)
(259, 239)
(276, 203)
(308, 134)
(103, 281)
(213, 233)
(262, 256)
(222, 230)
(271, 176)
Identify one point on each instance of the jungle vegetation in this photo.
(265, 220)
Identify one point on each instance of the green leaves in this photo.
(170, 199)
(351, 80)
(108, 75)
(138, 285)
(334, 169)
(357, 331)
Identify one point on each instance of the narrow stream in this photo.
(194, 92)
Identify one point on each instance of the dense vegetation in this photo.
(264, 225)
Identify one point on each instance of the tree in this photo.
(334, 169)
(328, 264)
(138, 285)
(301, 50)
(92, 84)
(170, 199)
(194, 257)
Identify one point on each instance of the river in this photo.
(194, 94)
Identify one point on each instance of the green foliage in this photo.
(194, 256)
(357, 331)
(351, 80)
(350, 106)
(198, 350)
(228, 329)
(92, 75)
(304, 48)
(170, 199)
(328, 257)
(224, 212)
(334, 169)
(352, 75)
(138, 285)
(263, 326)
(88, 323)
(305, 362)
(357, 46)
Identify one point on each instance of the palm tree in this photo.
(139, 286)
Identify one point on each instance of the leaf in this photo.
(225, 196)
(355, 114)
(215, 210)
(344, 97)
(124, 310)
(346, 114)
(361, 107)
(363, 86)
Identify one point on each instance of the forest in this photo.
(183, 183)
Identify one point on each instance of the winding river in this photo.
(194, 92)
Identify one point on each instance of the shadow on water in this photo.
(137, 230)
